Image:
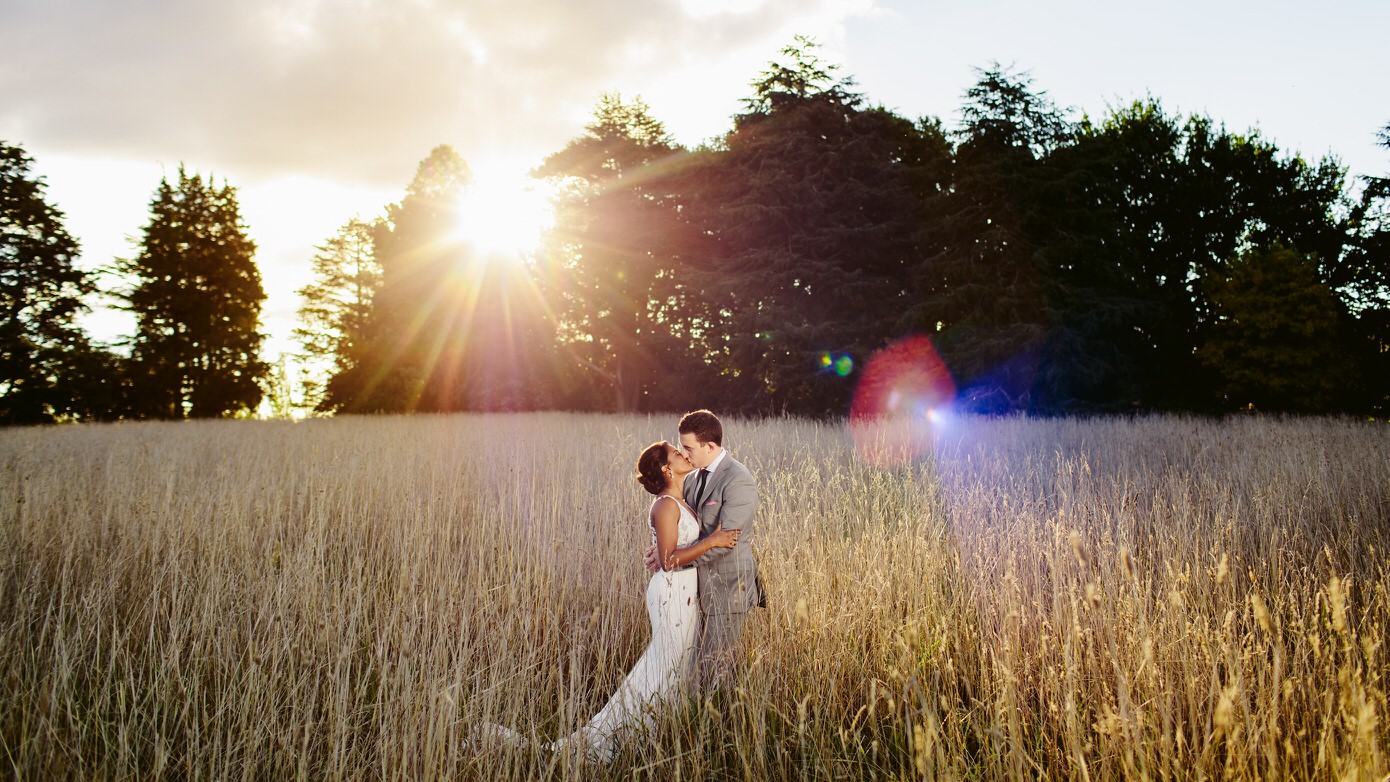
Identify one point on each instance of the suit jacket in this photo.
(729, 581)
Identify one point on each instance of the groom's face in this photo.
(700, 454)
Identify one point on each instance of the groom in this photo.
(721, 492)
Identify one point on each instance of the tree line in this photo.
(1137, 261)
(193, 288)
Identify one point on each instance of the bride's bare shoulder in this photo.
(665, 507)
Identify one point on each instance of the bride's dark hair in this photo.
(649, 466)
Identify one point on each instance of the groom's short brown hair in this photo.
(704, 425)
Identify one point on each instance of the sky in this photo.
(320, 110)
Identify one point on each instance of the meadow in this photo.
(1146, 598)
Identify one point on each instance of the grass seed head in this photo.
(1261, 612)
(1337, 603)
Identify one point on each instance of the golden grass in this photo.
(1162, 598)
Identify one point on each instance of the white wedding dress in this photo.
(661, 672)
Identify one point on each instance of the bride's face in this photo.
(677, 461)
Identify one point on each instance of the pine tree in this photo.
(337, 305)
(197, 298)
(623, 310)
(43, 352)
(812, 209)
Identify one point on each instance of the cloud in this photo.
(360, 90)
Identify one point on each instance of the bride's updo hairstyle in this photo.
(649, 466)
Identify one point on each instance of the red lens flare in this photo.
(904, 391)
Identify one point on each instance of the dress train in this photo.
(658, 676)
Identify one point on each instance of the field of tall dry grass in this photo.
(1163, 598)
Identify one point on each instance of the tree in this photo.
(1101, 275)
(451, 328)
(1128, 218)
(412, 329)
(981, 291)
(336, 310)
(1366, 289)
(1221, 196)
(197, 298)
(625, 313)
(48, 369)
(1272, 340)
(1004, 111)
(812, 210)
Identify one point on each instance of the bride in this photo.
(672, 606)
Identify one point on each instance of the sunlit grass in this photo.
(1160, 597)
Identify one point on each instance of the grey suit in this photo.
(729, 581)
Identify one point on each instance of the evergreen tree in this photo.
(625, 312)
(812, 208)
(982, 293)
(336, 308)
(48, 369)
(197, 298)
(450, 327)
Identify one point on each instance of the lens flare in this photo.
(841, 364)
(904, 392)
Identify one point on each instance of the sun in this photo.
(505, 215)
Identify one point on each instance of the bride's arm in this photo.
(665, 517)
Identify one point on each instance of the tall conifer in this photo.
(197, 298)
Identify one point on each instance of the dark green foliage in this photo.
(197, 298)
(982, 293)
(1138, 261)
(48, 368)
(1272, 340)
(812, 213)
(1366, 269)
(1058, 265)
(1074, 277)
(1116, 299)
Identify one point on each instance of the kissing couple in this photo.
(704, 580)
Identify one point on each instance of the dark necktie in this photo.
(700, 487)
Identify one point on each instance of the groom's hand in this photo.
(650, 560)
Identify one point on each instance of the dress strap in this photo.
(652, 509)
(680, 504)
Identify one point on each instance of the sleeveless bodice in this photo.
(687, 528)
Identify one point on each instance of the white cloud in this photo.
(359, 90)
(317, 110)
